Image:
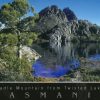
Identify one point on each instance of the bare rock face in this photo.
(61, 33)
(29, 53)
(85, 31)
(70, 14)
(57, 25)
(53, 24)
(49, 18)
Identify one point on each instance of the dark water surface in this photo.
(58, 60)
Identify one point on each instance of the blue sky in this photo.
(84, 9)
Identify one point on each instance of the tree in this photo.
(11, 15)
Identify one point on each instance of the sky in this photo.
(84, 9)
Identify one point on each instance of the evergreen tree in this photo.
(11, 15)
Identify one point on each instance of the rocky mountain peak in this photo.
(53, 10)
(69, 14)
(49, 10)
(57, 25)
(49, 18)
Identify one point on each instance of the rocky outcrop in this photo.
(57, 25)
(49, 18)
(61, 33)
(28, 53)
(84, 30)
(53, 24)
(70, 14)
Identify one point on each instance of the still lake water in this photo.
(58, 60)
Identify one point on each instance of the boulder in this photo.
(29, 53)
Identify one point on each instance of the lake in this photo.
(60, 59)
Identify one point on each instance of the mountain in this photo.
(62, 25)
(49, 18)
(53, 24)
(69, 14)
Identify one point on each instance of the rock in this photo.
(76, 77)
(49, 18)
(53, 10)
(29, 53)
(85, 31)
(61, 33)
(92, 64)
(53, 25)
(57, 25)
(70, 14)
(2, 64)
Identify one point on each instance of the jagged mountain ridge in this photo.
(56, 24)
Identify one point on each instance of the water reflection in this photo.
(58, 60)
(41, 70)
(95, 57)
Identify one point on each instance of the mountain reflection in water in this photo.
(58, 60)
(95, 57)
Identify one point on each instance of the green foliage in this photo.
(12, 39)
(12, 68)
(89, 74)
(8, 39)
(2, 39)
(11, 13)
(9, 16)
(27, 38)
(21, 6)
(26, 24)
(13, 16)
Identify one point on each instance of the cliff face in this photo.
(53, 24)
(49, 18)
(85, 31)
(69, 14)
(63, 25)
